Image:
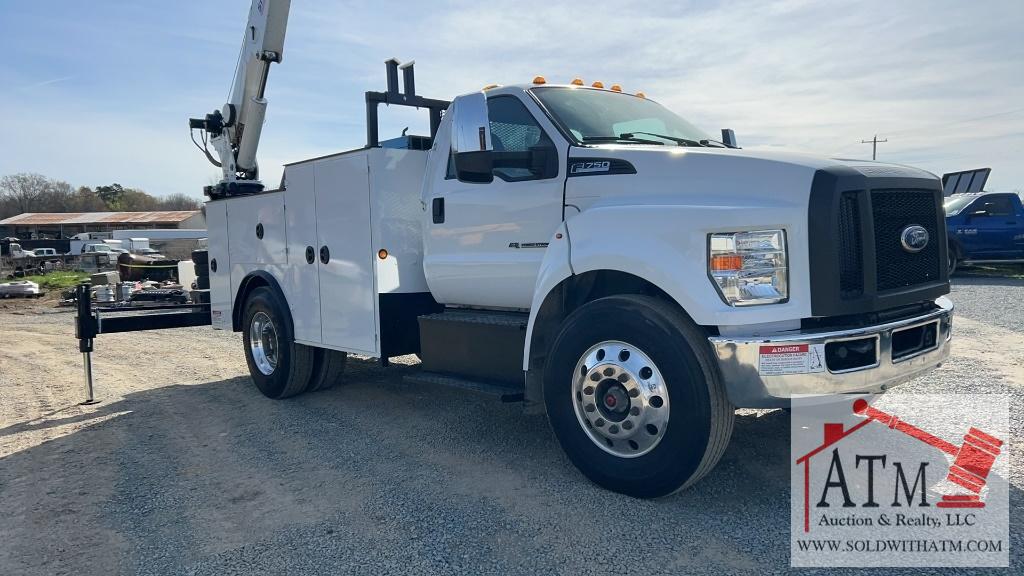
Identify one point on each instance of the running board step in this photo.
(500, 391)
(478, 345)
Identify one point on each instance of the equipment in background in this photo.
(965, 181)
(139, 267)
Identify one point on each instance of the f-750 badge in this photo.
(590, 166)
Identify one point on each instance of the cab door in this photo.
(484, 242)
(994, 219)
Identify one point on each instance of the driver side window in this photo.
(515, 134)
(994, 206)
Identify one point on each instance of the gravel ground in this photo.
(185, 469)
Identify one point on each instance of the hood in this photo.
(708, 176)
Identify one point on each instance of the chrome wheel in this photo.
(620, 398)
(263, 343)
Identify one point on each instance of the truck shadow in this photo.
(187, 477)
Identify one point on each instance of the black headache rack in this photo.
(91, 321)
(394, 97)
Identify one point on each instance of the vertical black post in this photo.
(85, 331)
(372, 138)
(392, 67)
(435, 121)
(408, 79)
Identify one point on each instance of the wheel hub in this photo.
(621, 399)
(263, 343)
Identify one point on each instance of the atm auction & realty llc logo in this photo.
(900, 480)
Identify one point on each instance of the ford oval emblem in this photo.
(914, 238)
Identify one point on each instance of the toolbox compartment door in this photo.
(348, 293)
(301, 278)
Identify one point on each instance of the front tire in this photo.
(634, 397)
(952, 259)
(279, 367)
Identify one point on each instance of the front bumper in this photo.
(765, 372)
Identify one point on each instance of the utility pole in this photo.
(874, 145)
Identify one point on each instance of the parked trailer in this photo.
(579, 249)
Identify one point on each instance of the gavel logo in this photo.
(972, 461)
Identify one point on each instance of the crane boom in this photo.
(234, 131)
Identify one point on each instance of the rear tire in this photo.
(636, 349)
(328, 368)
(953, 260)
(279, 367)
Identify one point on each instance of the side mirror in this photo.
(471, 139)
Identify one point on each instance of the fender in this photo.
(554, 269)
(252, 280)
(666, 244)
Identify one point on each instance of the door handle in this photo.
(437, 207)
(310, 255)
(325, 254)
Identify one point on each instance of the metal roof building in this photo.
(65, 224)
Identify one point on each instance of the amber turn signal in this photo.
(382, 254)
(726, 263)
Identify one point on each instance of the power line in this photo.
(874, 145)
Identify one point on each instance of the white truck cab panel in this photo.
(487, 247)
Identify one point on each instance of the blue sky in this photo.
(96, 92)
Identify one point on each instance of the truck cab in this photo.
(984, 227)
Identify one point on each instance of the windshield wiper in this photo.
(621, 138)
(720, 143)
(676, 139)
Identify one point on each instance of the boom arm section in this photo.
(234, 131)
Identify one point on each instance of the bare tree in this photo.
(21, 192)
(179, 201)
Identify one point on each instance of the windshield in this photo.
(598, 114)
(955, 204)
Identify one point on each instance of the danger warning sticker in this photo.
(775, 360)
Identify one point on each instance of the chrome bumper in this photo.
(751, 385)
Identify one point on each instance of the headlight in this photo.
(749, 268)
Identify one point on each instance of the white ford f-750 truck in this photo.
(582, 249)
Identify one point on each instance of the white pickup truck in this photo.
(584, 250)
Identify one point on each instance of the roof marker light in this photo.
(597, 84)
(641, 95)
(616, 88)
(489, 86)
(577, 81)
(539, 80)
